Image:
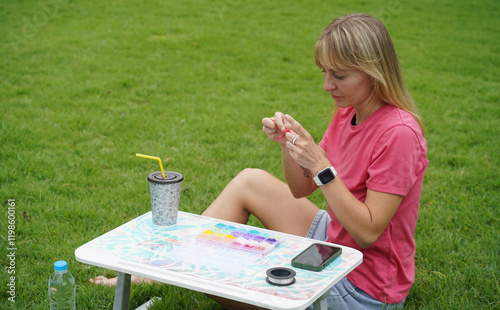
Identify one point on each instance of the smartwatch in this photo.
(325, 176)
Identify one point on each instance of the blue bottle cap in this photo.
(60, 265)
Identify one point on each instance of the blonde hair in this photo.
(361, 42)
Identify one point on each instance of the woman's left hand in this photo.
(302, 147)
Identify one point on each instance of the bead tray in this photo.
(251, 240)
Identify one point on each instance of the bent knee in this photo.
(252, 173)
(252, 178)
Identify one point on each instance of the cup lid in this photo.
(170, 177)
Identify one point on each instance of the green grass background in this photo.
(84, 85)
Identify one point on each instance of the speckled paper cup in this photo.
(165, 195)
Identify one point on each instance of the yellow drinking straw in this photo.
(153, 157)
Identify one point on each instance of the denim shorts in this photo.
(344, 294)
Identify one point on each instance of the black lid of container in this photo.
(170, 177)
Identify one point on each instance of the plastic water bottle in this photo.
(62, 291)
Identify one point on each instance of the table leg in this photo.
(122, 292)
(320, 303)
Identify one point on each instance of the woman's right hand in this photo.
(274, 127)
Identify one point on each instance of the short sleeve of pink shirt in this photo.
(386, 153)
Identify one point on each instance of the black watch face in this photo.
(326, 176)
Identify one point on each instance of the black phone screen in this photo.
(316, 254)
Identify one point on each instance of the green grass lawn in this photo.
(84, 85)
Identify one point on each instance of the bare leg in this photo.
(254, 191)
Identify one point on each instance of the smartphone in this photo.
(316, 256)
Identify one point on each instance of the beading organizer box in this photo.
(240, 238)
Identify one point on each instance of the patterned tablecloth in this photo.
(176, 248)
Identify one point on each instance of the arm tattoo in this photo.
(307, 172)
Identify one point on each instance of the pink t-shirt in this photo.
(385, 153)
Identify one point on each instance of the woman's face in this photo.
(350, 88)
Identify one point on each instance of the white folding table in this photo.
(173, 255)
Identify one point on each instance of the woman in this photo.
(375, 142)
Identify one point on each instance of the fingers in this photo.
(300, 142)
(295, 126)
(269, 126)
(284, 129)
(287, 131)
(275, 127)
(296, 130)
(279, 120)
(294, 140)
